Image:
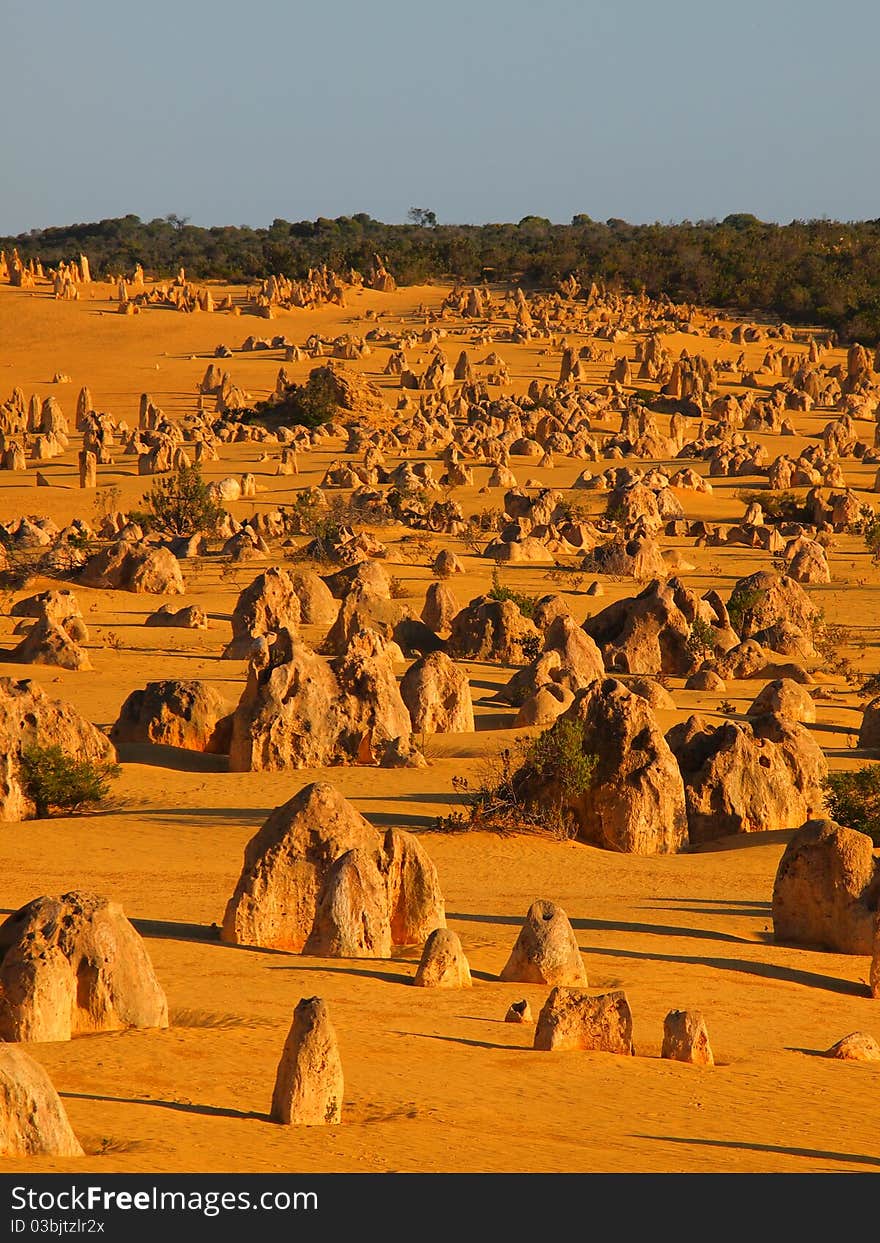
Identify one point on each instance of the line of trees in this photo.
(809, 271)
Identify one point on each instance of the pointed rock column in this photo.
(309, 1083)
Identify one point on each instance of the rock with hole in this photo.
(546, 951)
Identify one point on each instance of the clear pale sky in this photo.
(241, 112)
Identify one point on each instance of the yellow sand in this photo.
(435, 1081)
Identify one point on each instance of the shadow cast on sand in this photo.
(741, 841)
(169, 930)
(440, 798)
(749, 910)
(471, 1044)
(485, 722)
(613, 925)
(743, 966)
(307, 963)
(398, 819)
(206, 1111)
(760, 904)
(814, 1154)
(177, 758)
(158, 813)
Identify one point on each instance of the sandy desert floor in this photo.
(435, 1080)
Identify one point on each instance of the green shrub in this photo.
(181, 504)
(499, 801)
(615, 513)
(525, 604)
(870, 686)
(56, 781)
(853, 799)
(302, 405)
(741, 604)
(701, 640)
(558, 756)
(23, 566)
(777, 506)
(872, 538)
(323, 522)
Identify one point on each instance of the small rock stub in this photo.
(573, 1019)
(685, 1038)
(856, 1047)
(443, 963)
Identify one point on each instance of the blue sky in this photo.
(238, 113)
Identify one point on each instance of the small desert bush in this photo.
(302, 405)
(829, 639)
(866, 524)
(417, 550)
(58, 782)
(615, 514)
(398, 589)
(558, 757)
(480, 525)
(526, 604)
(107, 501)
(499, 802)
(701, 640)
(324, 522)
(853, 799)
(870, 686)
(777, 506)
(872, 538)
(569, 577)
(570, 510)
(741, 605)
(181, 503)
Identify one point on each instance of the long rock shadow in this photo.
(484, 722)
(614, 925)
(755, 911)
(744, 966)
(318, 964)
(167, 929)
(254, 815)
(760, 904)
(473, 1044)
(389, 819)
(207, 1111)
(852, 730)
(482, 685)
(741, 841)
(440, 797)
(178, 758)
(817, 1154)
